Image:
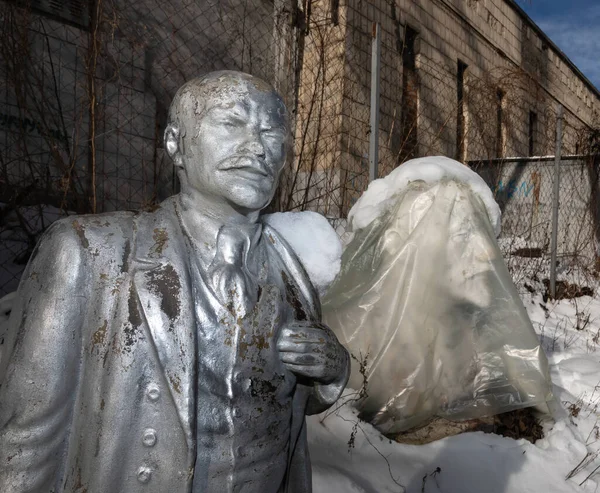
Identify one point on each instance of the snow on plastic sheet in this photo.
(314, 241)
(379, 195)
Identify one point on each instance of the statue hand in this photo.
(311, 349)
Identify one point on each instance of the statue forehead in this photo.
(226, 90)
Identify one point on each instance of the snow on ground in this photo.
(467, 463)
(478, 462)
(349, 455)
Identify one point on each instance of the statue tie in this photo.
(231, 280)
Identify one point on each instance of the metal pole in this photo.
(555, 200)
(374, 121)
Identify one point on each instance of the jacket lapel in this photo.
(161, 279)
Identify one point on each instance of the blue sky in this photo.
(574, 26)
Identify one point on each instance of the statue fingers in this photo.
(310, 371)
(296, 346)
(299, 333)
(295, 358)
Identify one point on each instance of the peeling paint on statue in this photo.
(179, 349)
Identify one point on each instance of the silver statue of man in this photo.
(177, 350)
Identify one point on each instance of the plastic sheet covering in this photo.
(425, 295)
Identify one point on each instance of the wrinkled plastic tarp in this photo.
(424, 294)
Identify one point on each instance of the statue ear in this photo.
(172, 143)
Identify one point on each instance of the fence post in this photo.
(374, 121)
(283, 33)
(555, 199)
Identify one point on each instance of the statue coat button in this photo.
(153, 392)
(144, 474)
(149, 437)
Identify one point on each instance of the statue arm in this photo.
(41, 363)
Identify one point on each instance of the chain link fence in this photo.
(84, 93)
(500, 122)
(524, 189)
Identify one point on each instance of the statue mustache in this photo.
(247, 162)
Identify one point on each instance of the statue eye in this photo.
(272, 132)
(232, 122)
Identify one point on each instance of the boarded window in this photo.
(533, 119)
(499, 123)
(410, 96)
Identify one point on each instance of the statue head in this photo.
(228, 135)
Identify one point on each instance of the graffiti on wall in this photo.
(518, 188)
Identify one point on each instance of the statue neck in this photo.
(203, 217)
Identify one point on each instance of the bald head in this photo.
(222, 88)
(228, 134)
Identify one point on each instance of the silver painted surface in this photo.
(176, 350)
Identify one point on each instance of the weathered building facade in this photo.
(470, 79)
(85, 87)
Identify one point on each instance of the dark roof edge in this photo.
(560, 53)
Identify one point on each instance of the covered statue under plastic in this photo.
(425, 299)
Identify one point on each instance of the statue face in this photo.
(236, 148)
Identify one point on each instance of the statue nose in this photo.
(254, 146)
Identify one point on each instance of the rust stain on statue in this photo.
(293, 297)
(258, 341)
(116, 347)
(99, 335)
(98, 222)
(80, 230)
(117, 286)
(164, 282)
(160, 238)
(134, 314)
(243, 345)
(78, 484)
(125, 260)
(263, 388)
(229, 334)
(176, 383)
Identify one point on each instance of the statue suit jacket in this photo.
(99, 363)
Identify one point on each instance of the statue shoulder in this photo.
(92, 230)
(84, 239)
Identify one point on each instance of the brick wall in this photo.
(505, 55)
